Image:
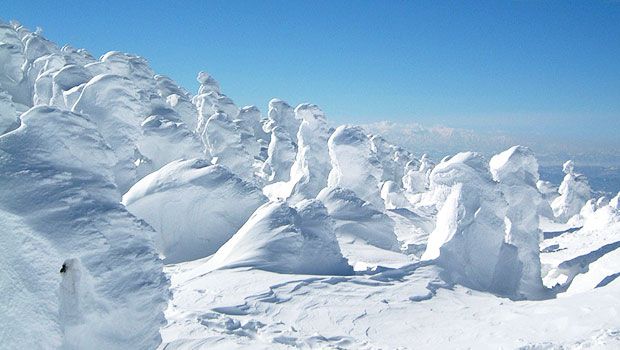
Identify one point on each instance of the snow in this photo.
(359, 227)
(354, 164)
(408, 308)
(393, 196)
(469, 237)
(223, 139)
(574, 192)
(516, 170)
(287, 240)
(8, 113)
(417, 175)
(138, 215)
(63, 209)
(283, 115)
(393, 159)
(310, 170)
(195, 207)
(280, 156)
(580, 259)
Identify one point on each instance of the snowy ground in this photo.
(409, 307)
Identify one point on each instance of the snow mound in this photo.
(194, 206)
(579, 260)
(283, 239)
(178, 99)
(417, 173)
(165, 138)
(77, 267)
(354, 164)
(137, 128)
(393, 196)
(210, 101)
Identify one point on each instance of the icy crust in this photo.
(88, 269)
(284, 239)
(354, 165)
(194, 206)
(574, 192)
(516, 170)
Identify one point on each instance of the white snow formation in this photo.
(516, 170)
(283, 239)
(574, 192)
(354, 164)
(195, 207)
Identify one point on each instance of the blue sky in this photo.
(546, 68)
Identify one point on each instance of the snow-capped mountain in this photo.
(137, 215)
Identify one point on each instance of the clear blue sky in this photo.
(488, 66)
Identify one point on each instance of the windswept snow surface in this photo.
(137, 215)
(194, 206)
(283, 239)
(58, 207)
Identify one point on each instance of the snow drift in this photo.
(283, 239)
(194, 206)
(74, 261)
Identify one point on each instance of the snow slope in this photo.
(58, 208)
